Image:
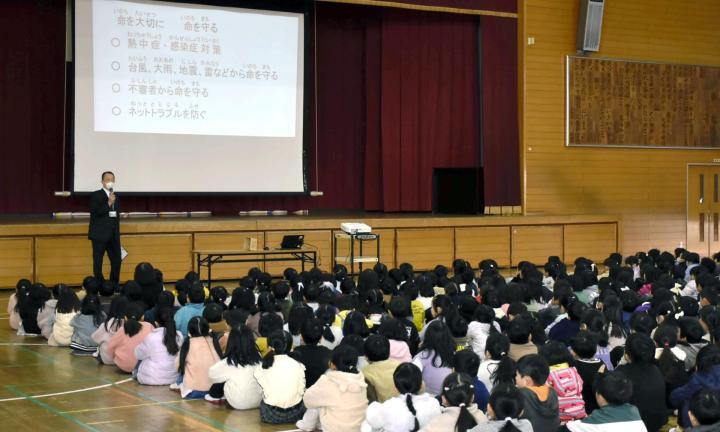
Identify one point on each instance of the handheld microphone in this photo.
(111, 190)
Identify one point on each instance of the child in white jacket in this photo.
(480, 328)
(233, 377)
(67, 306)
(411, 410)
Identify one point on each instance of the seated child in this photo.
(705, 411)
(314, 357)
(565, 380)
(396, 333)
(46, 314)
(233, 377)
(21, 289)
(84, 324)
(199, 351)
(113, 322)
(460, 413)
(196, 296)
(66, 308)
(504, 410)
(614, 413)
(157, 353)
(379, 372)
(435, 358)
(466, 361)
(583, 349)
(518, 332)
(282, 380)
(121, 346)
(339, 398)
(539, 400)
(411, 410)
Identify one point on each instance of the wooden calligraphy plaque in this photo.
(636, 104)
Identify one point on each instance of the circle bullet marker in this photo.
(116, 88)
(115, 42)
(115, 65)
(116, 111)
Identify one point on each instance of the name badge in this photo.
(113, 214)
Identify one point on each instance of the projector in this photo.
(355, 227)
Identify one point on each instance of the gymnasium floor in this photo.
(46, 389)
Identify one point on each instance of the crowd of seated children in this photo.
(552, 348)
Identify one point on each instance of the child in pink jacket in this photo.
(339, 398)
(121, 346)
(565, 380)
(197, 354)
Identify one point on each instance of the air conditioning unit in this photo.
(590, 25)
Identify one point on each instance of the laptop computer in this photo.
(292, 242)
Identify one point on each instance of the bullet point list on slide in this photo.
(115, 65)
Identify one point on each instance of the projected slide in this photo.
(181, 97)
(164, 69)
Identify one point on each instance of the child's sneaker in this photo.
(303, 427)
(214, 401)
(175, 387)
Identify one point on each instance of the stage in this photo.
(54, 251)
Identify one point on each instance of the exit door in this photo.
(703, 209)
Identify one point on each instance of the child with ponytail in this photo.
(497, 367)
(460, 413)
(670, 358)
(332, 335)
(339, 398)
(113, 322)
(121, 346)
(198, 353)
(504, 411)
(158, 352)
(282, 380)
(408, 412)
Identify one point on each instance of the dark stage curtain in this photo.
(424, 112)
(397, 95)
(501, 145)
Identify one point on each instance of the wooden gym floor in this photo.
(45, 388)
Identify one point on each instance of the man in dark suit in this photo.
(104, 231)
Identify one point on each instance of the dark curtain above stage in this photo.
(398, 94)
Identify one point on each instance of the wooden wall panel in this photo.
(425, 248)
(477, 244)
(646, 187)
(68, 259)
(171, 253)
(16, 260)
(387, 248)
(319, 239)
(536, 243)
(594, 241)
(229, 241)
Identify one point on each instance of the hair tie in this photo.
(462, 405)
(508, 419)
(472, 386)
(503, 353)
(446, 388)
(666, 344)
(679, 315)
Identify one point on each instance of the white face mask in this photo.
(109, 185)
